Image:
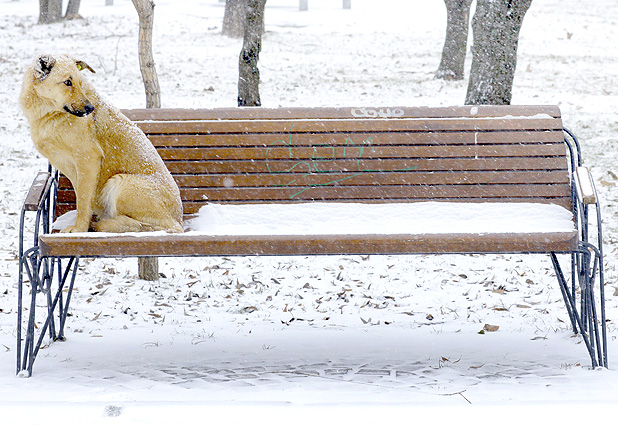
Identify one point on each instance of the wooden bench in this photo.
(468, 155)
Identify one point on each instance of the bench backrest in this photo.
(471, 154)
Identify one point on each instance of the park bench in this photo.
(480, 156)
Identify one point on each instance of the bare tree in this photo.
(51, 11)
(148, 267)
(73, 10)
(234, 18)
(456, 40)
(145, 11)
(248, 73)
(496, 25)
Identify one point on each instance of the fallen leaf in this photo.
(249, 309)
(490, 328)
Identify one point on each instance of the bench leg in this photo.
(587, 266)
(47, 276)
(591, 269)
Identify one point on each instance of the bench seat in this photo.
(339, 228)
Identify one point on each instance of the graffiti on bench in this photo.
(321, 156)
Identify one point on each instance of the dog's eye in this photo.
(68, 83)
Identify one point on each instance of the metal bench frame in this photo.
(53, 277)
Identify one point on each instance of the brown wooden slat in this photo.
(204, 245)
(365, 179)
(371, 179)
(332, 192)
(164, 114)
(354, 166)
(37, 191)
(377, 192)
(358, 139)
(349, 126)
(328, 153)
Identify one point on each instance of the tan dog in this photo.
(121, 183)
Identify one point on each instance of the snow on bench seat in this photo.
(324, 218)
(341, 228)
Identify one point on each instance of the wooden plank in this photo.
(334, 192)
(366, 179)
(37, 191)
(204, 245)
(165, 114)
(348, 126)
(366, 165)
(360, 139)
(372, 179)
(310, 193)
(327, 152)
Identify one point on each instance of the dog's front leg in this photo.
(85, 186)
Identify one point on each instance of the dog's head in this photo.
(58, 80)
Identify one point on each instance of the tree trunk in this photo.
(456, 40)
(50, 11)
(234, 18)
(145, 11)
(148, 267)
(248, 73)
(73, 10)
(496, 25)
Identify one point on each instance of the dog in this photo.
(121, 183)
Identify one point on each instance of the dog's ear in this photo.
(43, 67)
(81, 65)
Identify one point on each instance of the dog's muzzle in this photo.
(88, 109)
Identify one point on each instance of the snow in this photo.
(321, 218)
(333, 339)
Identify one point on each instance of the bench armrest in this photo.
(37, 191)
(585, 186)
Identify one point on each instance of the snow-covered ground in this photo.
(326, 339)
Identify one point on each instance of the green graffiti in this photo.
(321, 155)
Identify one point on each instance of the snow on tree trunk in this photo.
(456, 40)
(248, 73)
(234, 18)
(148, 267)
(496, 25)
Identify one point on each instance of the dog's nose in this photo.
(89, 108)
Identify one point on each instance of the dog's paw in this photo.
(74, 229)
